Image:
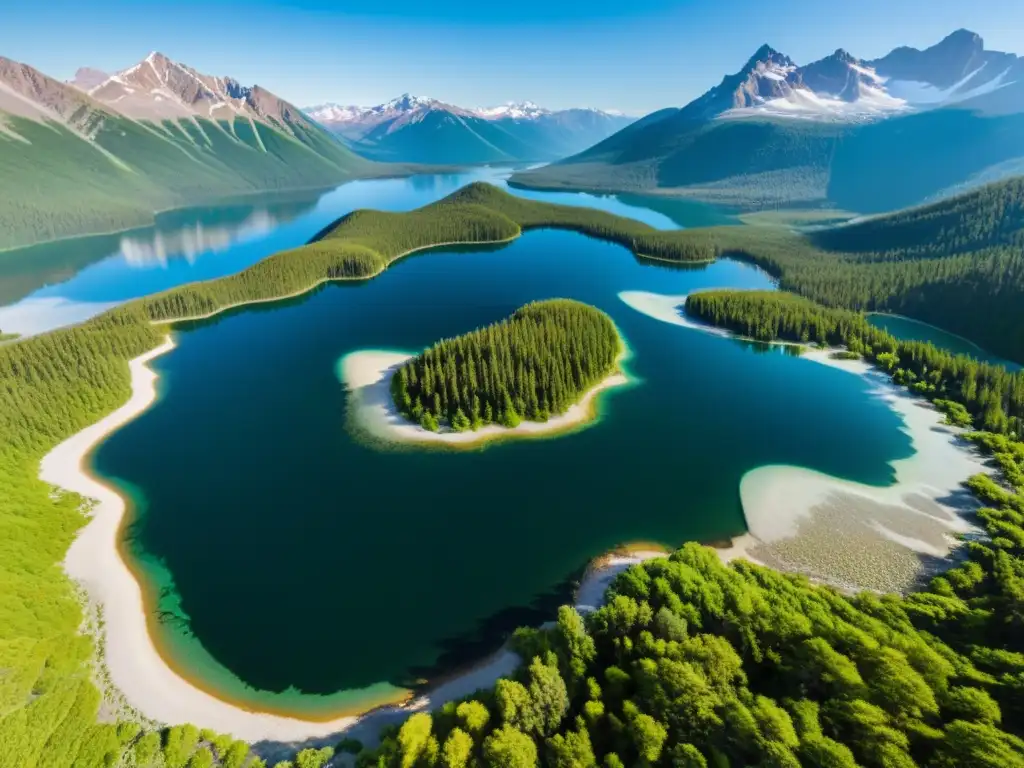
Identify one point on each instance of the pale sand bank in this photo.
(134, 665)
(367, 376)
(848, 534)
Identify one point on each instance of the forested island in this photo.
(691, 663)
(532, 365)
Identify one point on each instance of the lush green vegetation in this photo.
(59, 185)
(532, 365)
(693, 663)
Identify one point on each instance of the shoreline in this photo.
(851, 535)
(151, 685)
(318, 283)
(366, 375)
(145, 679)
(96, 561)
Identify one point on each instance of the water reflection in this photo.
(190, 241)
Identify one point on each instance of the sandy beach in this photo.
(93, 560)
(367, 376)
(142, 676)
(850, 535)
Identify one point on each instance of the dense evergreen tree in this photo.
(532, 365)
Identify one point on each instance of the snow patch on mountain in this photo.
(843, 88)
(521, 110)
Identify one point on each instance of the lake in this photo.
(295, 568)
(60, 283)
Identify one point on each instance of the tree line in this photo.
(532, 365)
(989, 393)
(957, 264)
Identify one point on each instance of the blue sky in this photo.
(632, 55)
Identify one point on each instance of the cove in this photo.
(295, 567)
(908, 329)
(54, 284)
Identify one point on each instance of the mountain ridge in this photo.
(860, 134)
(426, 130)
(153, 137)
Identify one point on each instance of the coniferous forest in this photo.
(532, 365)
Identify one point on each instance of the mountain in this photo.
(416, 129)
(105, 152)
(87, 77)
(869, 135)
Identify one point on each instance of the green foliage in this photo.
(457, 750)
(414, 739)
(534, 364)
(509, 748)
(313, 758)
(473, 716)
(715, 657)
(201, 758)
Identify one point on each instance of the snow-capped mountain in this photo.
(334, 115)
(861, 134)
(421, 129)
(845, 88)
(354, 122)
(516, 110)
(158, 88)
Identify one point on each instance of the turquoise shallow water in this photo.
(299, 568)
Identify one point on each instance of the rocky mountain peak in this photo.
(766, 55)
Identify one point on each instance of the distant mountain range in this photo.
(105, 152)
(424, 130)
(868, 135)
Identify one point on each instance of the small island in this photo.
(535, 372)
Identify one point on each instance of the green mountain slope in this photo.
(58, 184)
(744, 162)
(82, 167)
(756, 162)
(438, 136)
